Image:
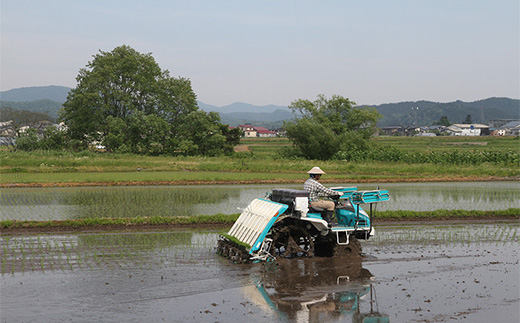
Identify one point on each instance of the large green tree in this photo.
(126, 102)
(326, 126)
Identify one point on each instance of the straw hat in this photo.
(316, 171)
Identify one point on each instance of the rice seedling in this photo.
(445, 234)
(155, 203)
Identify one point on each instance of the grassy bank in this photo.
(219, 219)
(47, 167)
(363, 174)
(229, 219)
(446, 214)
(258, 162)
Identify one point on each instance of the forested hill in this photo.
(35, 93)
(46, 107)
(45, 100)
(268, 116)
(426, 112)
(48, 100)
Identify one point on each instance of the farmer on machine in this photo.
(316, 189)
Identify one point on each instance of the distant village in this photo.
(499, 127)
(250, 131)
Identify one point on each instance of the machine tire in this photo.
(328, 247)
(292, 241)
(353, 249)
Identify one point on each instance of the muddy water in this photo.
(417, 273)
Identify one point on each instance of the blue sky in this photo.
(274, 52)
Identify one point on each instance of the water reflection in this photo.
(424, 273)
(317, 290)
(108, 202)
(73, 203)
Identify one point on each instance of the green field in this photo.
(270, 146)
(449, 143)
(258, 160)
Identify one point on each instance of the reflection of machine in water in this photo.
(374, 316)
(317, 290)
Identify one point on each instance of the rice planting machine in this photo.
(284, 225)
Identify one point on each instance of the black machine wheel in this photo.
(353, 248)
(328, 247)
(292, 241)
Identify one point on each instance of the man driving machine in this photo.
(317, 190)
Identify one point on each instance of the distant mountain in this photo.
(268, 116)
(240, 107)
(48, 99)
(270, 120)
(35, 93)
(47, 107)
(426, 112)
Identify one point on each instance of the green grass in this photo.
(163, 176)
(272, 170)
(446, 214)
(406, 144)
(259, 164)
(89, 222)
(449, 143)
(229, 219)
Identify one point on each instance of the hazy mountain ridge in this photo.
(45, 106)
(241, 107)
(34, 93)
(270, 120)
(427, 112)
(49, 99)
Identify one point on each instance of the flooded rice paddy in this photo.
(42, 204)
(414, 273)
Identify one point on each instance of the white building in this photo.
(248, 130)
(459, 129)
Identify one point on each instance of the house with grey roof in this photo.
(511, 128)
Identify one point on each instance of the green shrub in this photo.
(27, 141)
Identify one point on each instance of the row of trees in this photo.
(126, 103)
(22, 116)
(443, 121)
